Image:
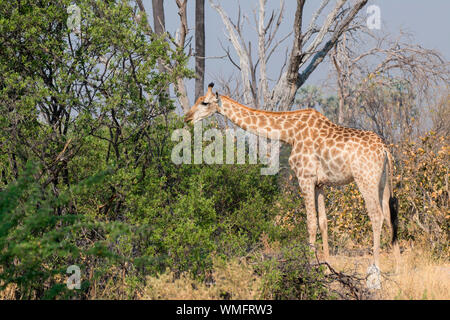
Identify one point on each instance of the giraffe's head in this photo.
(204, 107)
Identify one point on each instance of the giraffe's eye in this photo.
(204, 103)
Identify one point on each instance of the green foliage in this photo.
(60, 88)
(194, 211)
(175, 217)
(422, 182)
(90, 110)
(37, 243)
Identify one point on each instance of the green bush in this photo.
(90, 110)
(195, 211)
(176, 216)
(36, 243)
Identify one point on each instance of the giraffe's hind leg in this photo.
(370, 192)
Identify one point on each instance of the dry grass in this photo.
(419, 275)
(233, 280)
(9, 293)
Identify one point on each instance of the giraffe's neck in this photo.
(275, 125)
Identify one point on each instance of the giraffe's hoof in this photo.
(373, 280)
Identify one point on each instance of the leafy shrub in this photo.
(36, 244)
(194, 211)
(176, 217)
(423, 191)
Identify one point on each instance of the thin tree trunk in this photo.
(340, 83)
(341, 107)
(199, 47)
(158, 16)
(159, 22)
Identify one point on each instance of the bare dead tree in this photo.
(339, 61)
(309, 48)
(381, 88)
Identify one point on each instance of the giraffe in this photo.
(323, 153)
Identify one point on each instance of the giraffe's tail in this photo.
(393, 208)
(393, 201)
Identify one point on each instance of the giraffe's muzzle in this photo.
(189, 116)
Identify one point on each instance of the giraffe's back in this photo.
(333, 153)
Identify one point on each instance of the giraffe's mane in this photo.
(294, 112)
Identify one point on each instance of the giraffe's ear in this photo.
(217, 95)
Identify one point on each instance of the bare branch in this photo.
(286, 87)
(312, 48)
(277, 25)
(319, 56)
(382, 92)
(312, 25)
(283, 93)
(244, 58)
(264, 88)
(183, 19)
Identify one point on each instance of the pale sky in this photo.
(427, 20)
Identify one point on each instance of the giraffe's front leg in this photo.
(308, 189)
(323, 225)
